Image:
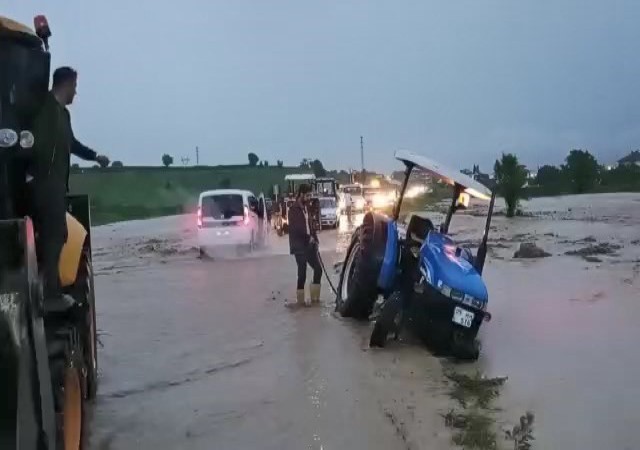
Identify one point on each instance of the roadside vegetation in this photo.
(127, 193)
(510, 178)
(474, 422)
(582, 173)
(121, 192)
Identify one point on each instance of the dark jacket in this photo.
(53, 146)
(299, 238)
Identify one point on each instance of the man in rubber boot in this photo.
(303, 245)
(53, 146)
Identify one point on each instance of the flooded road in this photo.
(564, 328)
(202, 354)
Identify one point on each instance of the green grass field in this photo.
(140, 192)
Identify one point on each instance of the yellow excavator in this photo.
(48, 357)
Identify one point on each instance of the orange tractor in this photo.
(48, 356)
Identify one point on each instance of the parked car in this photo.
(231, 217)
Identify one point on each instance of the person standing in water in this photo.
(303, 245)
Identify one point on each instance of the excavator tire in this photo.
(85, 294)
(66, 363)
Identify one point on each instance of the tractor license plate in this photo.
(463, 317)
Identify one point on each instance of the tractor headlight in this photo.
(444, 289)
(26, 139)
(8, 138)
(459, 296)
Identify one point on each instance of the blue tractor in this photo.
(427, 282)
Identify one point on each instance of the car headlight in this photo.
(26, 139)
(8, 138)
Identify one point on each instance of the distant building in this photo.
(467, 172)
(631, 159)
(482, 178)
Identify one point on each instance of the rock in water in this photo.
(530, 250)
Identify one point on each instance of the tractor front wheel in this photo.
(358, 286)
(388, 321)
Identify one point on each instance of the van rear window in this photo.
(223, 206)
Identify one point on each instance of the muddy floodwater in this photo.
(202, 354)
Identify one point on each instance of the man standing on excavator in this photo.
(53, 146)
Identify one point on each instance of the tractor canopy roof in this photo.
(7, 24)
(299, 177)
(450, 176)
(13, 30)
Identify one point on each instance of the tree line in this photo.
(581, 173)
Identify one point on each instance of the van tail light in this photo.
(199, 217)
(246, 215)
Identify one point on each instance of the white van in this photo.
(231, 217)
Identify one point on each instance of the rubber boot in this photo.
(314, 292)
(299, 300)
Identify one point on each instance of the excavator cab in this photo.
(48, 358)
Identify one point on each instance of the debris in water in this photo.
(475, 425)
(477, 387)
(603, 248)
(474, 430)
(530, 250)
(591, 299)
(522, 434)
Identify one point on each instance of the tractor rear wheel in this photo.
(357, 289)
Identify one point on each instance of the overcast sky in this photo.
(458, 80)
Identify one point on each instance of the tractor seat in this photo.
(418, 229)
(465, 253)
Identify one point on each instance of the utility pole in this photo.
(362, 174)
(197, 156)
(362, 153)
